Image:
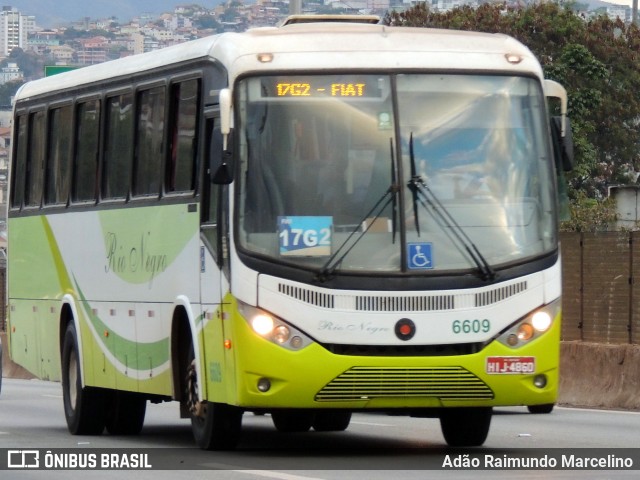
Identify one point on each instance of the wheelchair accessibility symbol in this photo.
(419, 256)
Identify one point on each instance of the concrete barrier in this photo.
(591, 374)
(600, 375)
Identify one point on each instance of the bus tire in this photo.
(83, 407)
(126, 412)
(537, 409)
(465, 426)
(331, 421)
(215, 426)
(289, 421)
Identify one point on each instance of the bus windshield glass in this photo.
(408, 171)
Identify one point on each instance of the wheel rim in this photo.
(196, 408)
(73, 379)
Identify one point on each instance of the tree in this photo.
(597, 61)
(204, 22)
(32, 65)
(8, 90)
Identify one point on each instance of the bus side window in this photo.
(58, 169)
(149, 141)
(19, 162)
(35, 160)
(118, 146)
(181, 167)
(86, 158)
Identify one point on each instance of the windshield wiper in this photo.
(394, 181)
(422, 193)
(413, 184)
(334, 260)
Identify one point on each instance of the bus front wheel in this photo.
(331, 421)
(83, 406)
(537, 409)
(289, 421)
(215, 426)
(465, 427)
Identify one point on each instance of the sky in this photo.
(51, 13)
(48, 13)
(627, 3)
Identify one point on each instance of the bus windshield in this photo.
(408, 170)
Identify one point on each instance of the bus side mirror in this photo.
(560, 127)
(223, 174)
(226, 115)
(563, 147)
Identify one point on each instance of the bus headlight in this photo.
(525, 332)
(281, 334)
(262, 324)
(272, 328)
(530, 327)
(541, 321)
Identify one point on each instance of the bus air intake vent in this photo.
(497, 295)
(419, 303)
(367, 383)
(319, 299)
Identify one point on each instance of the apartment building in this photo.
(14, 29)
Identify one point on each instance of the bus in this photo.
(303, 221)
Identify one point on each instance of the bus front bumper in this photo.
(268, 376)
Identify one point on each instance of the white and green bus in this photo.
(305, 221)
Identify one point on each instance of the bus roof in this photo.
(316, 47)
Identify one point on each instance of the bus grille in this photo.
(419, 303)
(498, 294)
(401, 303)
(365, 383)
(325, 300)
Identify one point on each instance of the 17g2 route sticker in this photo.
(305, 236)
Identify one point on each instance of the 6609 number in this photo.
(471, 326)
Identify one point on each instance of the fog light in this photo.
(296, 342)
(512, 340)
(540, 381)
(525, 331)
(264, 385)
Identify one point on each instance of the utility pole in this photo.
(295, 7)
(634, 12)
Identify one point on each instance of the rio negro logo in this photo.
(136, 258)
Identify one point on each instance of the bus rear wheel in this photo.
(215, 426)
(465, 427)
(83, 406)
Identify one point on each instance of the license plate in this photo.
(511, 365)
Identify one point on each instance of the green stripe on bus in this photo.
(157, 353)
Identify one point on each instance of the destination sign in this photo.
(287, 89)
(323, 86)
